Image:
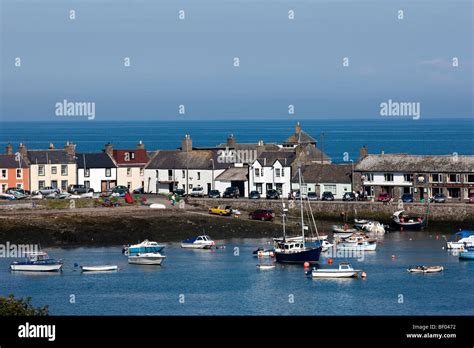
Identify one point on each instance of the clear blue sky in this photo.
(190, 62)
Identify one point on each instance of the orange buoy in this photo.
(363, 275)
(306, 265)
(329, 261)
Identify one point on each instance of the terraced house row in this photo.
(250, 167)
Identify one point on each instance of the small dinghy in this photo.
(260, 252)
(361, 222)
(265, 266)
(425, 269)
(105, 268)
(343, 231)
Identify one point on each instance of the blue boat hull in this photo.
(310, 255)
(468, 255)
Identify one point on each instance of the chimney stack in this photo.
(9, 149)
(363, 152)
(22, 150)
(109, 149)
(187, 143)
(298, 128)
(70, 148)
(51, 146)
(231, 141)
(141, 145)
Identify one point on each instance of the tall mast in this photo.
(301, 205)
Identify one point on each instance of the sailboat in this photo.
(295, 250)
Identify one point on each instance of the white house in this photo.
(272, 170)
(97, 171)
(185, 168)
(319, 178)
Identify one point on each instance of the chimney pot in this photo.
(9, 149)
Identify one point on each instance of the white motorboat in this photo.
(105, 268)
(406, 221)
(374, 227)
(144, 247)
(361, 222)
(345, 270)
(37, 262)
(263, 266)
(145, 253)
(425, 269)
(460, 240)
(358, 243)
(343, 231)
(325, 245)
(199, 242)
(146, 259)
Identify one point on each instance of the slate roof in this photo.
(178, 159)
(325, 173)
(267, 158)
(234, 174)
(8, 161)
(141, 157)
(50, 157)
(300, 138)
(415, 163)
(94, 160)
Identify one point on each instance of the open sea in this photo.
(205, 282)
(392, 135)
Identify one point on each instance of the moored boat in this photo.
(468, 254)
(144, 247)
(345, 270)
(358, 243)
(425, 269)
(461, 240)
(37, 262)
(199, 242)
(146, 259)
(261, 252)
(406, 221)
(104, 268)
(343, 231)
(263, 266)
(361, 222)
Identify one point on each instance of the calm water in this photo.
(424, 136)
(219, 283)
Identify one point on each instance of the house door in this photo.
(208, 187)
(269, 186)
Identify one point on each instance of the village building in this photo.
(420, 175)
(130, 165)
(53, 167)
(96, 171)
(14, 170)
(319, 178)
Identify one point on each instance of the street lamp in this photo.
(212, 160)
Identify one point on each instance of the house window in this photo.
(20, 186)
(436, 177)
(277, 172)
(279, 187)
(129, 172)
(454, 192)
(469, 178)
(184, 174)
(190, 186)
(369, 177)
(19, 173)
(369, 190)
(199, 175)
(129, 185)
(261, 172)
(282, 171)
(4, 174)
(54, 184)
(388, 176)
(64, 169)
(108, 172)
(41, 170)
(87, 183)
(259, 188)
(407, 190)
(63, 185)
(257, 171)
(54, 170)
(436, 190)
(87, 172)
(408, 177)
(454, 178)
(41, 184)
(4, 187)
(142, 171)
(330, 188)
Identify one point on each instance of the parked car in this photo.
(219, 210)
(273, 194)
(75, 189)
(180, 192)
(439, 198)
(231, 192)
(12, 190)
(197, 192)
(471, 196)
(262, 214)
(384, 197)
(312, 196)
(254, 195)
(214, 194)
(48, 190)
(407, 198)
(349, 196)
(120, 190)
(327, 196)
(139, 190)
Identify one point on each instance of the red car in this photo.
(384, 197)
(262, 214)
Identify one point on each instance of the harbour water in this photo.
(341, 136)
(226, 282)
